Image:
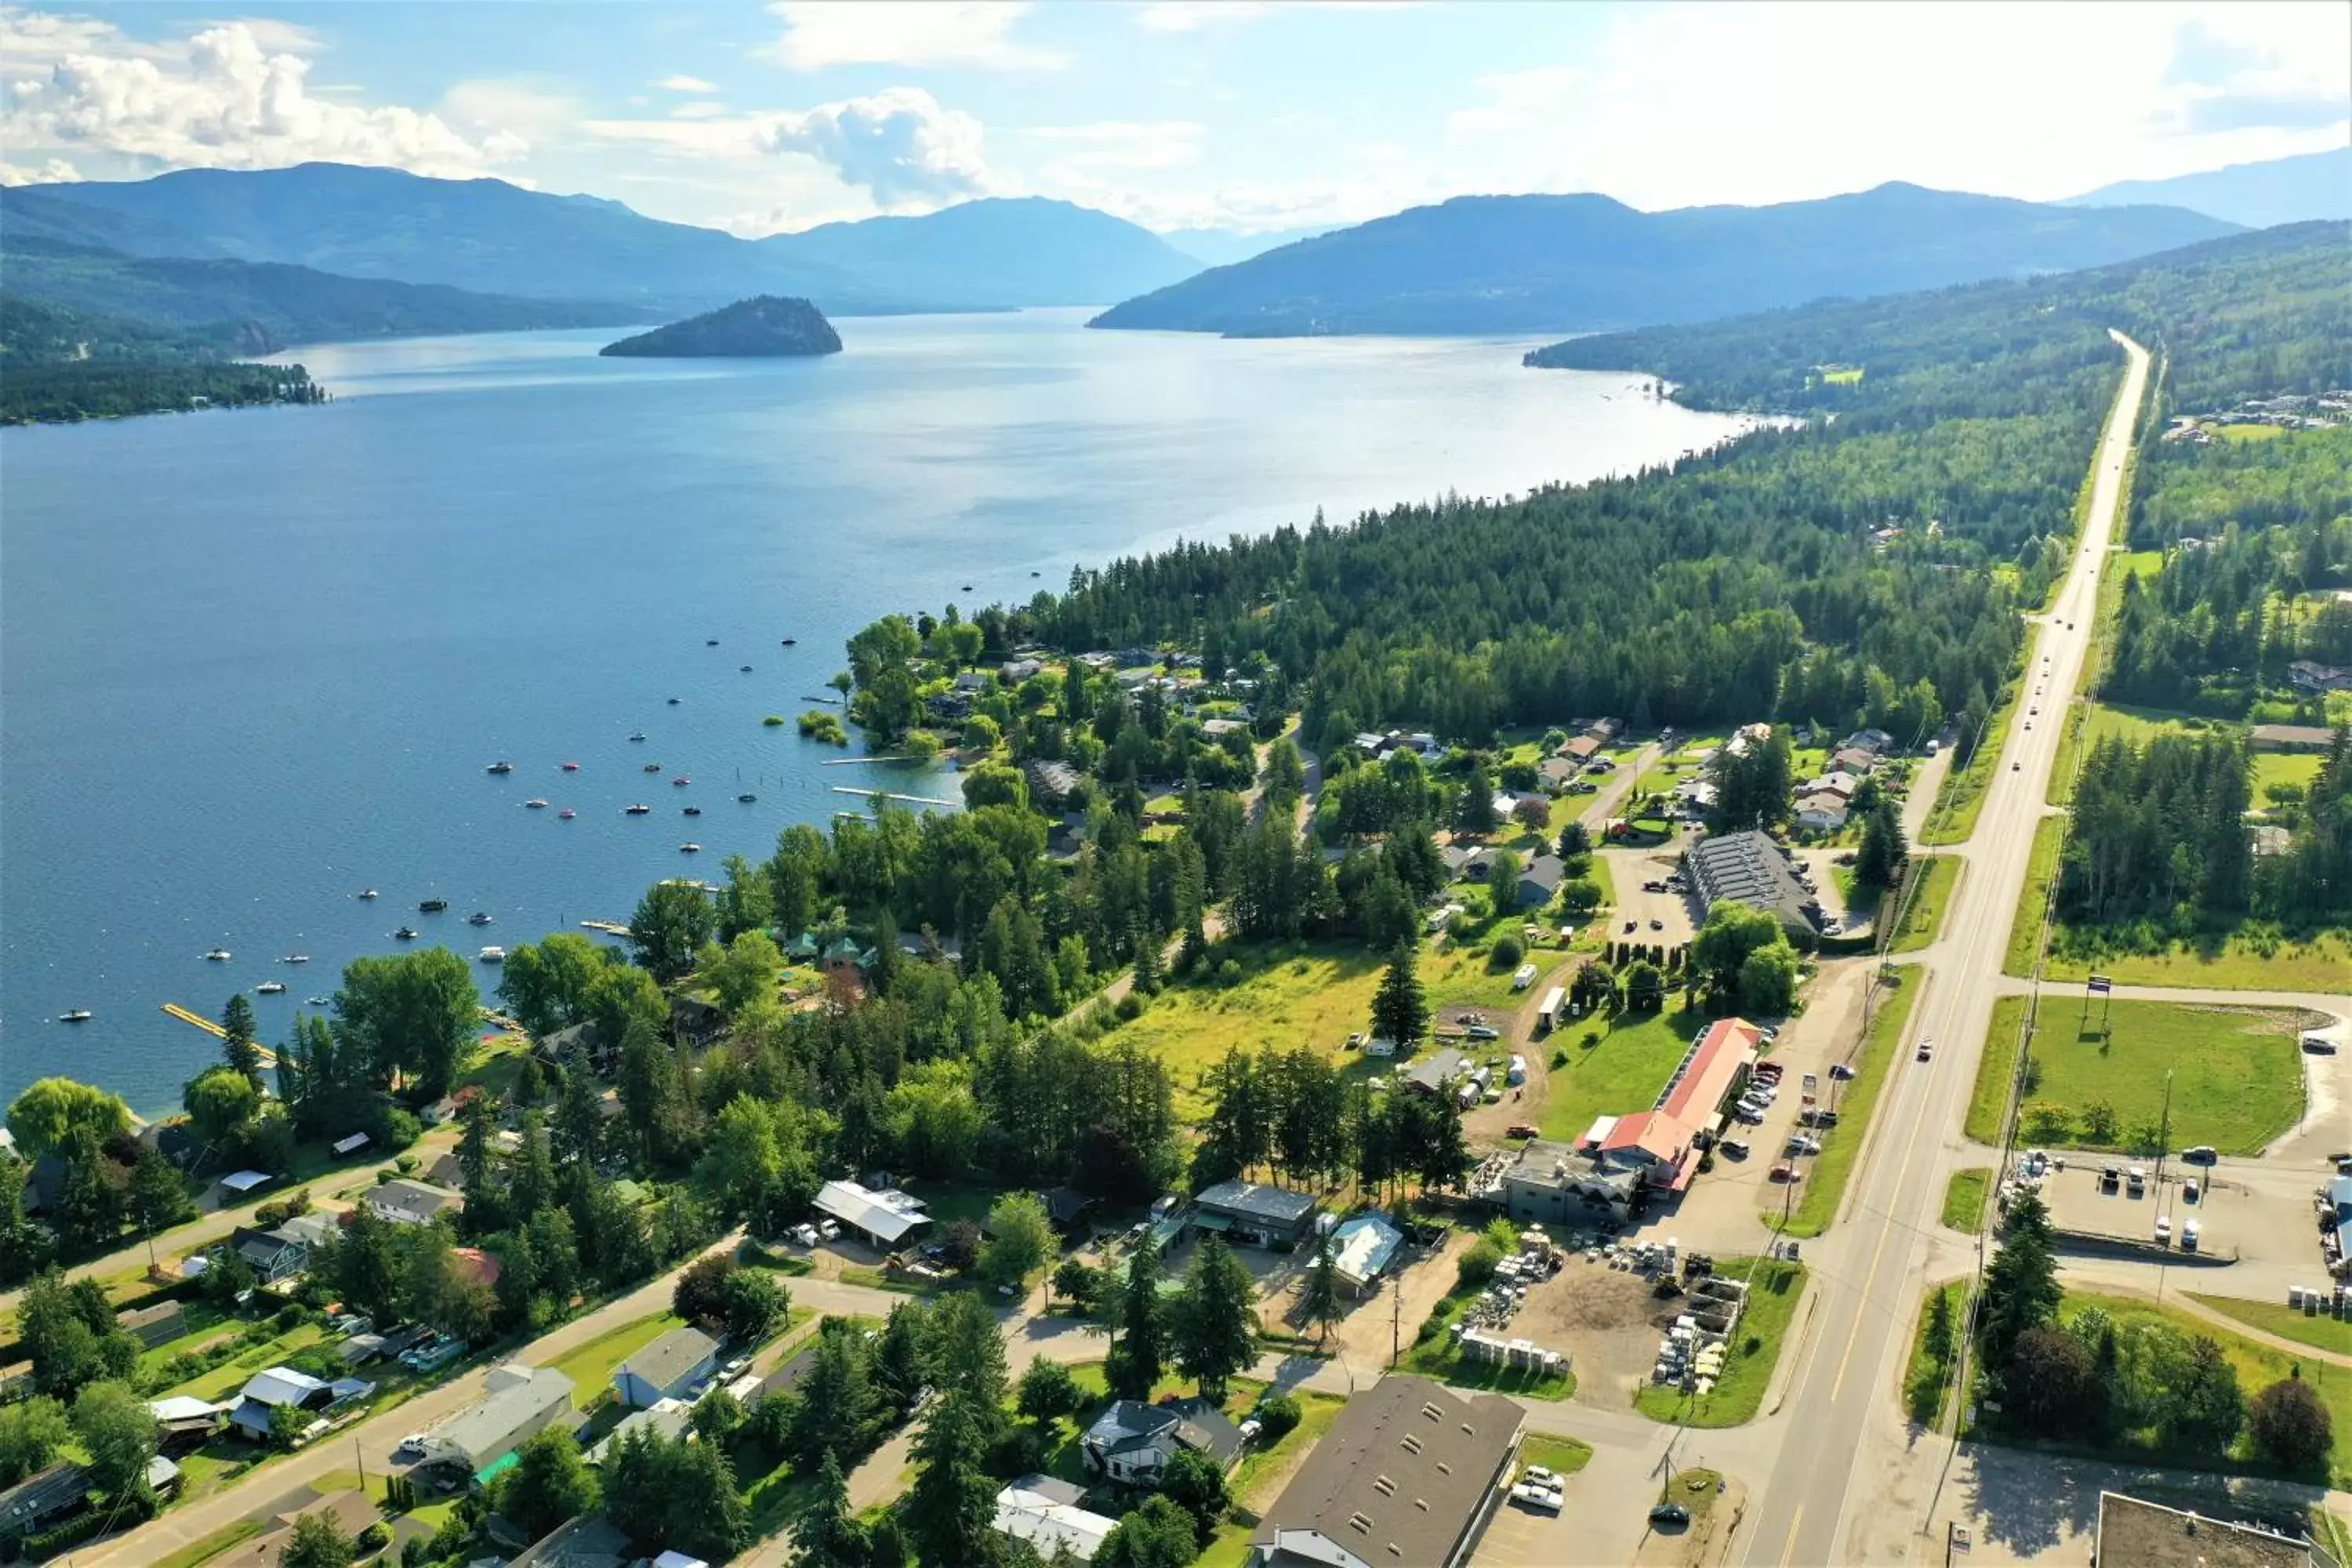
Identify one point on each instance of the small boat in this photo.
(296, 958)
(694, 811)
(967, 588)
(365, 893)
(79, 1015)
(746, 797)
(1036, 574)
(405, 933)
(499, 768)
(536, 804)
(638, 736)
(479, 918)
(673, 701)
(790, 641)
(218, 955)
(570, 767)
(492, 956)
(637, 810)
(710, 642)
(433, 906)
(567, 813)
(690, 848)
(653, 767)
(271, 988)
(681, 782)
(317, 1002)
(746, 669)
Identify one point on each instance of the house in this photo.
(1131, 1442)
(1269, 1216)
(1853, 760)
(1840, 784)
(1556, 774)
(2136, 1534)
(1067, 1208)
(274, 1388)
(1218, 729)
(182, 1420)
(1820, 813)
(884, 1218)
(1539, 880)
(352, 1511)
(39, 1502)
(1408, 1477)
(1045, 1512)
(175, 1141)
(1362, 1247)
(155, 1325)
(972, 682)
(271, 1255)
(449, 1171)
(1582, 749)
(580, 1045)
(669, 1418)
(45, 1184)
(1878, 742)
(522, 1401)
(2291, 738)
(440, 1113)
(1016, 670)
(694, 1021)
(1749, 868)
(1605, 729)
(2310, 675)
(669, 1368)
(587, 1541)
(403, 1201)
(1051, 783)
(1431, 1076)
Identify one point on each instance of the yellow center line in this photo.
(1789, 1547)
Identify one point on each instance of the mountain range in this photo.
(2259, 195)
(1584, 263)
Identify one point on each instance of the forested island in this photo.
(766, 326)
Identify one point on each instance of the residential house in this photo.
(1051, 783)
(175, 1141)
(352, 1510)
(155, 1325)
(275, 1388)
(1249, 1211)
(522, 1401)
(1539, 880)
(581, 1044)
(1878, 742)
(1822, 813)
(1605, 729)
(1839, 783)
(885, 1218)
(2291, 738)
(2310, 675)
(1016, 670)
(42, 1499)
(1131, 1442)
(694, 1021)
(1855, 759)
(1433, 1075)
(1408, 1477)
(270, 1254)
(665, 1417)
(183, 1421)
(405, 1202)
(1364, 1246)
(1067, 1208)
(588, 1542)
(1218, 729)
(1554, 774)
(1580, 749)
(672, 1367)
(1046, 1512)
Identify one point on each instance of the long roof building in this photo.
(1749, 868)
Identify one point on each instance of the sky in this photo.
(1243, 115)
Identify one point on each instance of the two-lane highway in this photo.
(1864, 1275)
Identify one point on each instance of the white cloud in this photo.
(1191, 16)
(683, 84)
(901, 144)
(821, 34)
(217, 99)
(1121, 144)
(510, 117)
(55, 171)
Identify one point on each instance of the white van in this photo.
(2164, 1230)
(2188, 1235)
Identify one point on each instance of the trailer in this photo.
(1554, 1008)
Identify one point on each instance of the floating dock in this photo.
(885, 794)
(269, 1057)
(610, 928)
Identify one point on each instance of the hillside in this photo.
(59, 364)
(2277, 191)
(1520, 264)
(762, 328)
(493, 238)
(260, 307)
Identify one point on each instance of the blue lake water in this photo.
(253, 661)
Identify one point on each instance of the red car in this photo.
(1523, 1130)
(1787, 1174)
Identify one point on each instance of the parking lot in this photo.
(1630, 869)
(2256, 1218)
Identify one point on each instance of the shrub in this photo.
(1509, 952)
(1229, 974)
(1130, 1008)
(374, 1538)
(1278, 1413)
(2291, 1425)
(1477, 1265)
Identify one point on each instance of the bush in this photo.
(1229, 974)
(1277, 1412)
(2291, 1425)
(399, 1131)
(1477, 1265)
(1509, 952)
(374, 1538)
(1130, 1008)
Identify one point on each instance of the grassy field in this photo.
(1622, 1070)
(1922, 917)
(1824, 1186)
(1754, 1350)
(206, 1548)
(1962, 795)
(1565, 1455)
(2285, 1321)
(231, 1375)
(2237, 1073)
(2101, 720)
(589, 1366)
(2247, 432)
(1436, 1354)
(2257, 1365)
(1928, 1378)
(2297, 768)
(1964, 1200)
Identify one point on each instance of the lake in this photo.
(254, 661)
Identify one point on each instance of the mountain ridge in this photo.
(2260, 195)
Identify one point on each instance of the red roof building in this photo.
(1663, 1146)
(1716, 1067)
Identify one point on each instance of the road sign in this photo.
(2100, 985)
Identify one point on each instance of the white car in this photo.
(1540, 1476)
(411, 1447)
(1548, 1499)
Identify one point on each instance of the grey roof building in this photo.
(886, 1216)
(1131, 1442)
(522, 1401)
(1267, 1214)
(1749, 868)
(405, 1202)
(666, 1368)
(1410, 1474)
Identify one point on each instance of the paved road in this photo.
(1866, 1273)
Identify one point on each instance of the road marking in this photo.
(1789, 1547)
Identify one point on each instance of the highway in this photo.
(1856, 1331)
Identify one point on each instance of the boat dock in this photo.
(834, 701)
(885, 794)
(269, 1057)
(610, 928)
(861, 762)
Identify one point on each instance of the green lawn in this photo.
(2237, 1073)
(1756, 1345)
(1565, 1455)
(1923, 916)
(1962, 796)
(2286, 1323)
(206, 1548)
(2297, 768)
(1435, 1354)
(1928, 1378)
(2249, 432)
(590, 1367)
(1629, 1062)
(231, 1375)
(1825, 1182)
(1964, 1200)
(2257, 1365)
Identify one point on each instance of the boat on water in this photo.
(218, 955)
(366, 893)
(499, 768)
(492, 956)
(790, 641)
(271, 988)
(638, 736)
(434, 906)
(567, 813)
(479, 918)
(694, 811)
(690, 848)
(967, 588)
(710, 642)
(569, 767)
(746, 797)
(637, 810)
(536, 804)
(405, 933)
(674, 702)
(681, 782)
(79, 1015)
(746, 669)
(653, 767)
(317, 1002)
(296, 958)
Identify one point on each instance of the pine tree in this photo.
(827, 1534)
(237, 1047)
(951, 1510)
(1147, 964)
(1320, 1298)
(1216, 1323)
(1143, 1349)
(1400, 1011)
(2020, 1290)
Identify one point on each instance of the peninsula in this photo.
(764, 326)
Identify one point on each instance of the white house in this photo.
(1045, 1512)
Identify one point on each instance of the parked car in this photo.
(828, 1229)
(1673, 1513)
(2202, 1154)
(411, 1447)
(1546, 1499)
(1521, 1130)
(1657, 925)
(1481, 1032)
(1801, 1144)
(2164, 1230)
(1734, 1147)
(1839, 1071)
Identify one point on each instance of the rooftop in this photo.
(1253, 1200)
(887, 1215)
(671, 1357)
(1748, 869)
(2136, 1534)
(1695, 1093)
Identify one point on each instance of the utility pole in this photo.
(1396, 1318)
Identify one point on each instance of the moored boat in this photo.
(492, 956)
(499, 768)
(78, 1015)
(218, 955)
(434, 906)
(536, 804)
(405, 933)
(365, 893)
(567, 813)
(681, 782)
(271, 988)
(479, 918)
(694, 811)
(690, 848)
(746, 797)
(637, 810)
(570, 767)
(638, 736)
(296, 958)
